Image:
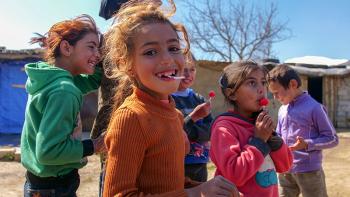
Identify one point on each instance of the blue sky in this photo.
(320, 27)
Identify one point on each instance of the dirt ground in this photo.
(336, 166)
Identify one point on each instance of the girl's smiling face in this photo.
(248, 95)
(85, 55)
(156, 57)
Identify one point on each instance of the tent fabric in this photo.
(109, 7)
(13, 96)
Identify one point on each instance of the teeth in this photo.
(167, 74)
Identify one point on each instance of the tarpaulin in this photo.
(13, 96)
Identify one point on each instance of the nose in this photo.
(262, 89)
(166, 58)
(98, 54)
(186, 72)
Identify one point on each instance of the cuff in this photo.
(310, 146)
(188, 121)
(260, 145)
(88, 147)
(275, 143)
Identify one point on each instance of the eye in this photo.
(92, 47)
(151, 52)
(174, 49)
(252, 83)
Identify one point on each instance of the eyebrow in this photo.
(252, 78)
(92, 42)
(155, 42)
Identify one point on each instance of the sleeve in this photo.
(88, 83)
(126, 150)
(235, 163)
(327, 137)
(54, 144)
(278, 127)
(105, 105)
(101, 121)
(198, 131)
(282, 158)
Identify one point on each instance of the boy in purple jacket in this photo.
(304, 126)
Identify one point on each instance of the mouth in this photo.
(187, 80)
(168, 74)
(92, 63)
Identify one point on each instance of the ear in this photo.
(229, 94)
(293, 84)
(131, 71)
(65, 48)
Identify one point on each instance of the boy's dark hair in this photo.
(283, 74)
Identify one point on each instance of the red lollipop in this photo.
(263, 102)
(211, 95)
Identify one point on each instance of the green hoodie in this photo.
(54, 101)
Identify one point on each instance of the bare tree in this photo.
(231, 29)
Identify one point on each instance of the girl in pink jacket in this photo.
(244, 146)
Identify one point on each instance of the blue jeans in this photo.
(65, 188)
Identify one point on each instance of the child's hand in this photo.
(99, 143)
(217, 186)
(201, 111)
(263, 126)
(299, 144)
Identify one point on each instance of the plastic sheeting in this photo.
(13, 96)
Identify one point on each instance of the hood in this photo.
(40, 74)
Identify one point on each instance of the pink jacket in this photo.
(244, 164)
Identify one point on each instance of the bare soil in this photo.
(336, 166)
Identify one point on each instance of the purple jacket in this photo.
(307, 118)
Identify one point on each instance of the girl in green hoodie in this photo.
(51, 148)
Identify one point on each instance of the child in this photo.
(305, 127)
(51, 151)
(144, 138)
(243, 146)
(197, 123)
(108, 85)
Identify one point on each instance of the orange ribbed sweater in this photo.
(146, 149)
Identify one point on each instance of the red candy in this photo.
(263, 102)
(211, 94)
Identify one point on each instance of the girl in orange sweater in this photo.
(145, 140)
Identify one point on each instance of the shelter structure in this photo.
(13, 95)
